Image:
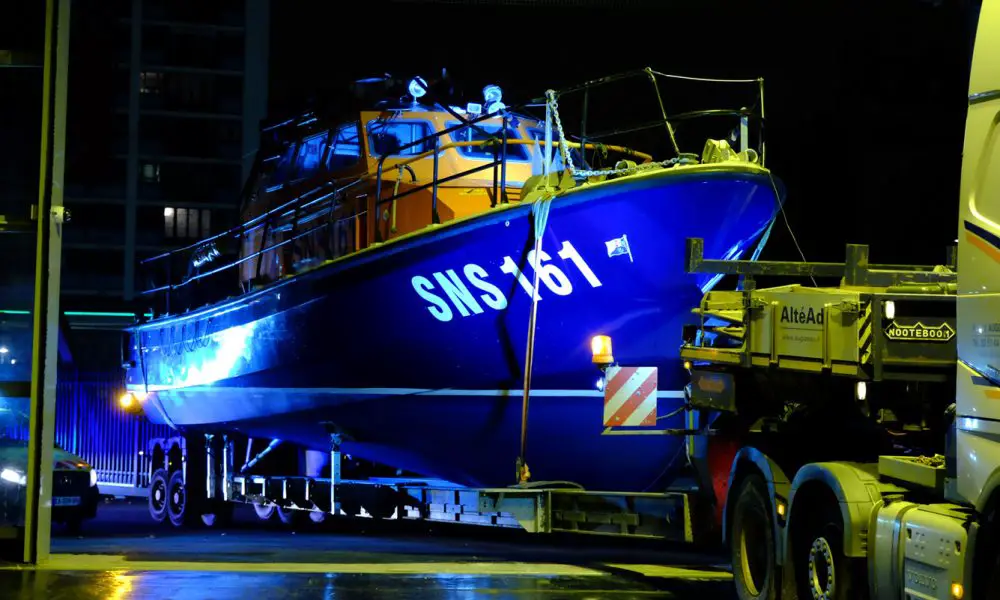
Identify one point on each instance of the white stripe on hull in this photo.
(400, 391)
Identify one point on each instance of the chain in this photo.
(568, 158)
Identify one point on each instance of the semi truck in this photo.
(843, 441)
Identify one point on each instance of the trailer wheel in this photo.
(177, 500)
(752, 542)
(158, 496)
(264, 510)
(317, 516)
(221, 515)
(288, 516)
(825, 573)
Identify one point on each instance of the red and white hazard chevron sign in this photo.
(630, 396)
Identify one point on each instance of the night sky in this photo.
(865, 100)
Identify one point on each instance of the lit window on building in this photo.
(151, 172)
(187, 223)
(150, 82)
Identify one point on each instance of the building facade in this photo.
(165, 103)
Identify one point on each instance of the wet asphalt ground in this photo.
(122, 554)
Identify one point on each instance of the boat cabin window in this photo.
(471, 134)
(389, 137)
(310, 152)
(345, 149)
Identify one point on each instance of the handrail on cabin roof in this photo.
(305, 199)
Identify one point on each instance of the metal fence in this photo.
(91, 424)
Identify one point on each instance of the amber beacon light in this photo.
(600, 348)
(131, 400)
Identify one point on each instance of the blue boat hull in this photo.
(415, 349)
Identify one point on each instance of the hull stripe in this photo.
(403, 391)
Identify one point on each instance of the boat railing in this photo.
(322, 199)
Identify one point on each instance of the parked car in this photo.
(74, 486)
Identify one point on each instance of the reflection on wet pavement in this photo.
(121, 555)
(196, 585)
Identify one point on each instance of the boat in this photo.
(398, 271)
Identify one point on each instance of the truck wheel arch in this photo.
(748, 460)
(989, 498)
(855, 487)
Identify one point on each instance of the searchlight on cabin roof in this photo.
(417, 87)
(492, 94)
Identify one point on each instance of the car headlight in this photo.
(14, 476)
(93, 477)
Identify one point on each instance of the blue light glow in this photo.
(417, 87)
(492, 93)
(217, 361)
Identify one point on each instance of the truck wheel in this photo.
(986, 574)
(751, 542)
(178, 507)
(158, 496)
(826, 574)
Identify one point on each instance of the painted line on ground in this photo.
(106, 562)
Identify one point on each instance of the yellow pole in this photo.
(45, 329)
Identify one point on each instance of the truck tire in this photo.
(751, 542)
(824, 572)
(158, 496)
(986, 573)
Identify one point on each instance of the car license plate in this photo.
(66, 501)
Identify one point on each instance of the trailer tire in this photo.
(178, 507)
(158, 496)
(220, 516)
(752, 544)
(824, 571)
(265, 510)
(289, 516)
(317, 516)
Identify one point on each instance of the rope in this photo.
(540, 216)
(706, 79)
(781, 207)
